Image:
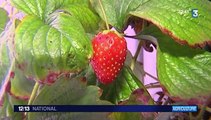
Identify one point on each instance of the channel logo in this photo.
(195, 13)
(184, 108)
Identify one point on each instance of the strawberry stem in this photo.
(132, 65)
(34, 93)
(104, 15)
(153, 85)
(208, 109)
(201, 112)
(146, 73)
(141, 85)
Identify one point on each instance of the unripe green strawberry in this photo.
(110, 50)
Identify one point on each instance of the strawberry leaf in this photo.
(7, 111)
(4, 51)
(126, 116)
(175, 19)
(88, 19)
(90, 76)
(4, 19)
(172, 17)
(42, 8)
(138, 97)
(6, 57)
(21, 86)
(60, 46)
(4, 61)
(5, 104)
(69, 92)
(122, 87)
(183, 71)
(116, 10)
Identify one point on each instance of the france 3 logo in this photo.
(23, 108)
(195, 13)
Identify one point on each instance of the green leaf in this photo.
(17, 22)
(7, 111)
(121, 88)
(61, 46)
(88, 19)
(40, 8)
(175, 19)
(126, 116)
(78, 8)
(21, 86)
(4, 19)
(69, 92)
(4, 60)
(4, 50)
(183, 71)
(43, 8)
(6, 57)
(116, 10)
(90, 76)
(138, 97)
(3, 109)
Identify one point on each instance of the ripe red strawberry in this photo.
(110, 50)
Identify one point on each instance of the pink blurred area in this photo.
(12, 12)
(147, 58)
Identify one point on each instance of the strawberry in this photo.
(110, 50)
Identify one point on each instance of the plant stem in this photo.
(208, 109)
(6, 80)
(132, 65)
(153, 85)
(146, 73)
(149, 38)
(140, 85)
(104, 15)
(199, 116)
(167, 101)
(133, 36)
(190, 116)
(144, 23)
(137, 81)
(34, 93)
